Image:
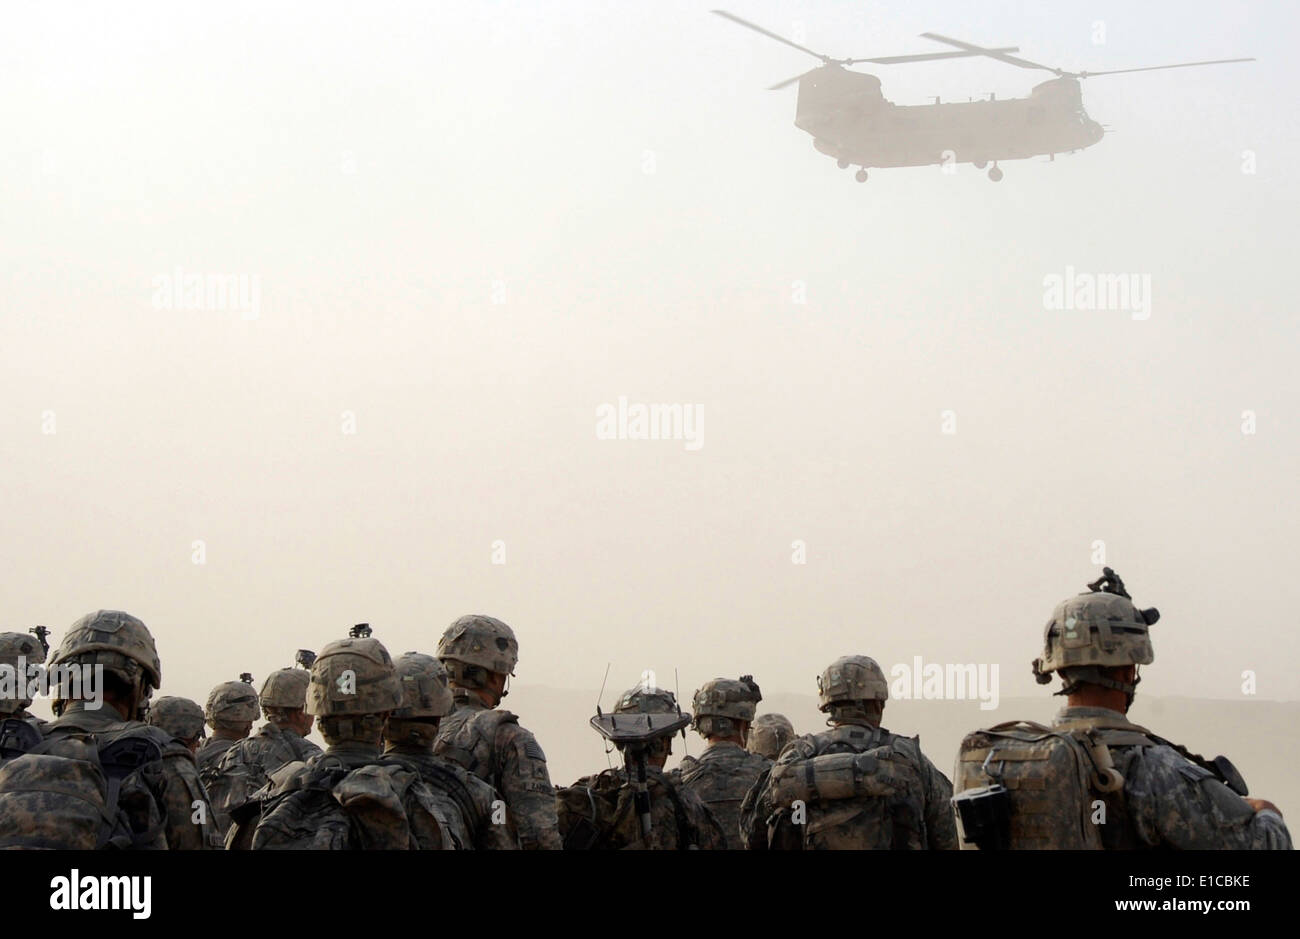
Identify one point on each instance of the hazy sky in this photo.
(471, 225)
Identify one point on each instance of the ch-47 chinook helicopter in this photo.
(850, 120)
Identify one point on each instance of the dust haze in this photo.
(448, 251)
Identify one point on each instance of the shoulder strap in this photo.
(119, 759)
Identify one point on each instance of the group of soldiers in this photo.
(420, 755)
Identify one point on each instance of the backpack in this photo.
(333, 808)
(865, 796)
(602, 816)
(1021, 785)
(63, 793)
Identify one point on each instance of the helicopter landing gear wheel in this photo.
(980, 164)
(995, 174)
(860, 176)
(842, 164)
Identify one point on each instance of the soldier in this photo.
(231, 710)
(1093, 779)
(464, 802)
(153, 797)
(725, 771)
(18, 652)
(638, 806)
(855, 786)
(247, 764)
(769, 734)
(480, 653)
(346, 798)
(180, 717)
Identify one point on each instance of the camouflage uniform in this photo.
(721, 778)
(890, 797)
(916, 817)
(163, 795)
(489, 742)
(159, 799)
(600, 813)
(247, 765)
(680, 820)
(1094, 780)
(230, 704)
(1168, 801)
(211, 752)
(346, 798)
(726, 771)
(463, 802)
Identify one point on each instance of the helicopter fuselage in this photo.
(850, 120)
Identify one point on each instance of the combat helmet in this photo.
(424, 687)
(851, 678)
(117, 641)
(232, 702)
(1093, 631)
(180, 717)
(723, 702)
(481, 641)
(353, 676)
(646, 699)
(31, 650)
(769, 734)
(285, 688)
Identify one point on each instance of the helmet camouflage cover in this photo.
(116, 640)
(180, 717)
(232, 701)
(722, 701)
(353, 676)
(285, 688)
(15, 646)
(851, 678)
(646, 699)
(424, 687)
(481, 640)
(1099, 628)
(727, 697)
(769, 734)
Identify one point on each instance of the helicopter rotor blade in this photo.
(790, 81)
(925, 57)
(769, 34)
(892, 60)
(998, 54)
(1152, 68)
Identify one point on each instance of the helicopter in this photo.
(850, 120)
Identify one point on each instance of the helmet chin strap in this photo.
(1091, 674)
